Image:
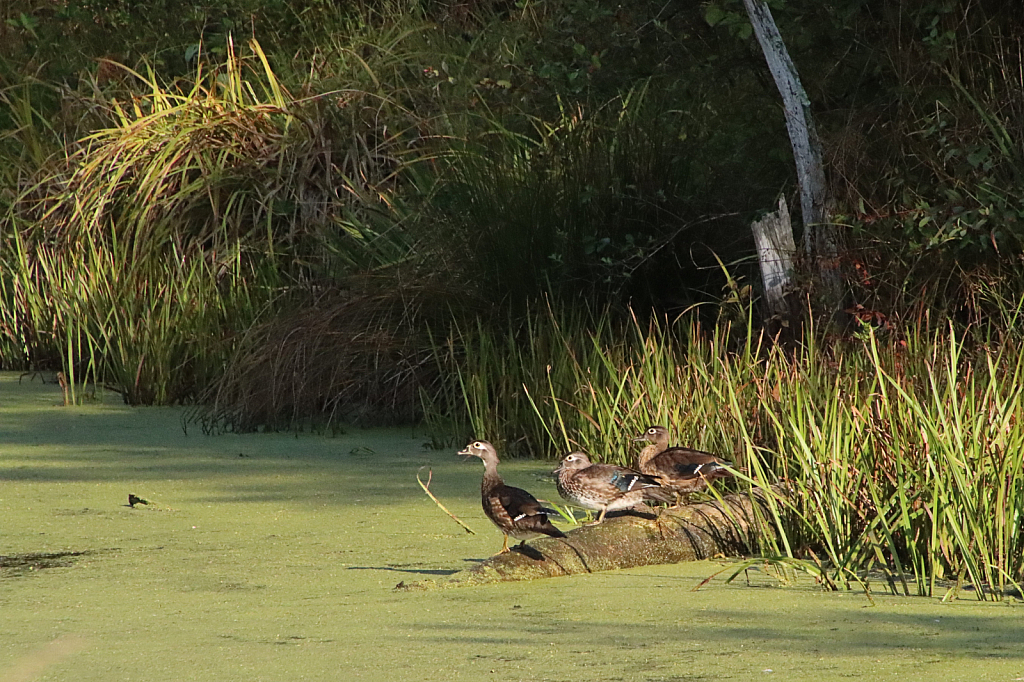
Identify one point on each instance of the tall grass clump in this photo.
(566, 376)
(359, 355)
(130, 259)
(903, 455)
(138, 260)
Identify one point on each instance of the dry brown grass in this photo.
(352, 356)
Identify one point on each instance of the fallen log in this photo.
(687, 533)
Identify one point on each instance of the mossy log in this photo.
(686, 533)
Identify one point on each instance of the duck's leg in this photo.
(600, 517)
(504, 545)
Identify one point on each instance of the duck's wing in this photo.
(610, 483)
(686, 463)
(624, 479)
(524, 512)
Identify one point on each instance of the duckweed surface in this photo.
(274, 557)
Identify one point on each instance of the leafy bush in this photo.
(613, 201)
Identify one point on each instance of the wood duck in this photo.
(513, 510)
(605, 487)
(681, 470)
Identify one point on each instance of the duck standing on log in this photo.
(513, 510)
(681, 470)
(605, 487)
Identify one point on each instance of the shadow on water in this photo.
(16, 565)
(399, 569)
(867, 634)
(44, 442)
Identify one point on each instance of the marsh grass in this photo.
(352, 356)
(131, 257)
(141, 258)
(903, 454)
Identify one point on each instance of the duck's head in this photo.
(481, 449)
(653, 434)
(574, 462)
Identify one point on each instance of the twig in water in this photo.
(426, 489)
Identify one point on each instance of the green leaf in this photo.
(713, 14)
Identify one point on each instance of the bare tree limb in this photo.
(426, 489)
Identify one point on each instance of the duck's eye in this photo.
(652, 431)
(478, 445)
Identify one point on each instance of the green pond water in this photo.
(274, 557)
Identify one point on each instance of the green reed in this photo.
(903, 455)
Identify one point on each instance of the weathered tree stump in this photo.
(688, 533)
(773, 235)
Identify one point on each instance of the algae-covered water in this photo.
(274, 557)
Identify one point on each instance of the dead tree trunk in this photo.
(689, 533)
(823, 242)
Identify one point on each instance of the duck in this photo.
(514, 511)
(681, 470)
(605, 487)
